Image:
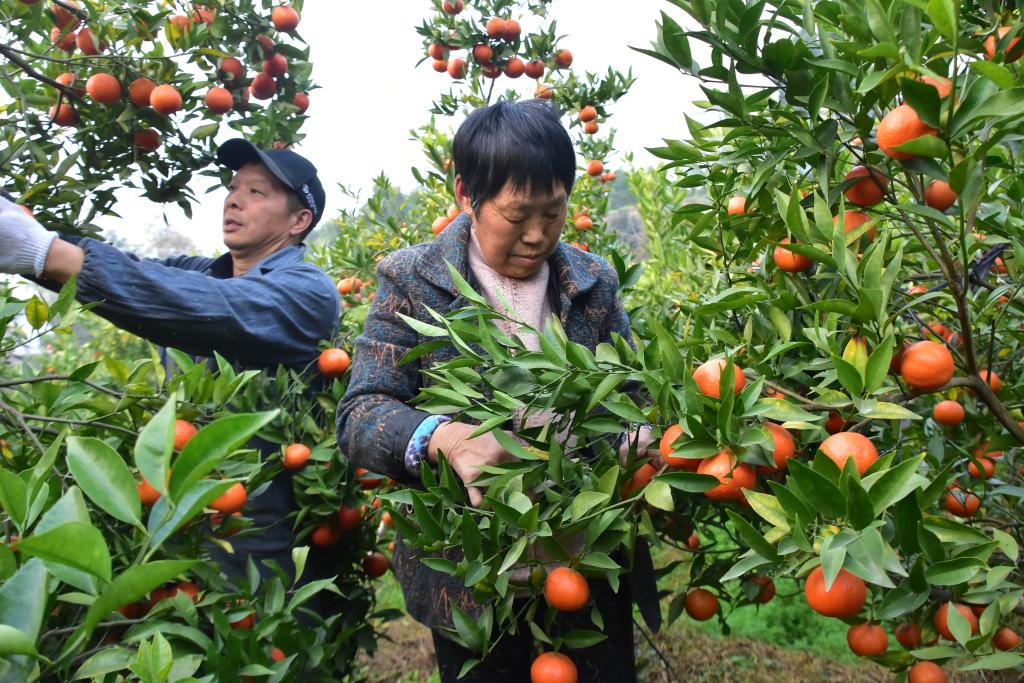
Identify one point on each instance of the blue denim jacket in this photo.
(274, 314)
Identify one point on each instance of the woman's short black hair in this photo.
(519, 142)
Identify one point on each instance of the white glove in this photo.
(24, 243)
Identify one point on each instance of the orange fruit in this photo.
(325, 535)
(535, 69)
(870, 190)
(63, 18)
(139, 91)
(295, 456)
(588, 113)
(944, 86)
(901, 125)
(927, 365)
(867, 640)
(948, 413)
(789, 261)
(219, 100)
(926, 672)
(566, 589)
(908, 635)
(375, 564)
(333, 362)
(693, 542)
(64, 41)
(349, 285)
(387, 520)
(844, 600)
(941, 619)
(88, 44)
(263, 86)
(203, 15)
(552, 667)
(737, 206)
(939, 195)
(452, 6)
(988, 468)
(147, 494)
(733, 478)
(275, 65)
(146, 139)
(284, 18)
(709, 377)
(676, 461)
(563, 59)
(992, 379)
(590, 127)
(641, 478)
(767, 591)
(1006, 639)
(181, 23)
(183, 433)
(457, 68)
(277, 654)
(64, 115)
(1013, 52)
(835, 422)
(543, 92)
(349, 518)
(512, 30)
(301, 101)
(231, 501)
(962, 504)
(245, 623)
(982, 451)
(366, 479)
(784, 447)
(165, 99)
(583, 222)
(515, 67)
(842, 446)
(595, 168)
(853, 220)
(701, 604)
(495, 28)
(233, 67)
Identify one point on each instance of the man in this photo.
(259, 305)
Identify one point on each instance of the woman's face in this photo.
(517, 231)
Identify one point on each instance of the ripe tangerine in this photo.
(709, 377)
(927, 365)
(701, 604)
(948, 412)
(844, 600)
(566, 589)
(333, 362)
(842, 446)
(732, 477)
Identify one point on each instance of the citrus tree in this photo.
(837, 398)
(124, 479)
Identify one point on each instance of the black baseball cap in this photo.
(294, 170)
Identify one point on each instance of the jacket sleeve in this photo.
(374, 421)
(278, 317)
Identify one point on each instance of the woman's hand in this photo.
(465, 455)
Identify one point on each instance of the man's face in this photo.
(518, 231)
(256, 211)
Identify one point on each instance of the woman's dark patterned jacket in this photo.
(375, 421)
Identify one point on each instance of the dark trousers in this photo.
(610, 661)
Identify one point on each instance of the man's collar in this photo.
(223, 266)
(576, 271)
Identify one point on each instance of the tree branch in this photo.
(12, 55)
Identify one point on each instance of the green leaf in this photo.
(37, 312)
(753, 539)
(105, 478)
(997, 73)
(925, 146)
(14, 497)
(585, 502)
(659, 494)
(154, 660)
(155, 445)
(781, 410)
(210, 445)
(75, 544)
(464, 288)
(580, 638)
(822, 494)
(513, 555)
(191, 503)
(767, 507)
(901, 600)
(859, 509)
(24, 602)
(994, 662)
(105, 662)
(895, 484)
(14, 642)
(881, 410)
(690, 482)
(670, 356)
(943, 16)
(954, 572)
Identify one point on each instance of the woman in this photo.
(516, 167)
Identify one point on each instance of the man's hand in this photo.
(24, 243)
(466, 455)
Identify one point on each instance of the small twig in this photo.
(82, 423)
(657, 651)
(20, 419)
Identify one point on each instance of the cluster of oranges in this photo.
(493, 50)
(442, 222)
(105, 89)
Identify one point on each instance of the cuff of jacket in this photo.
(395, 434)
(416, 449)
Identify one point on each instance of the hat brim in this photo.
(237, 153)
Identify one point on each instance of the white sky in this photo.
(371, 96)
